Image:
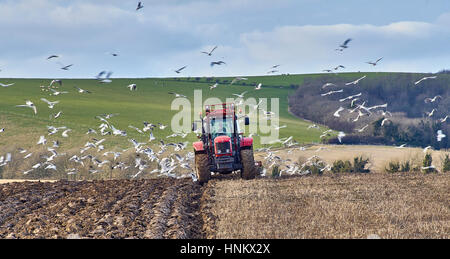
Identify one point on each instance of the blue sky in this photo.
(251, 35)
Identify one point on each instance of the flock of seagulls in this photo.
(360, 108)
(164, 162)
(94, 158)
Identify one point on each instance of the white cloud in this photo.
(252, 36)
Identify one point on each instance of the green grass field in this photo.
(151, 102)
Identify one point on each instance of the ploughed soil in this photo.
(153, 208)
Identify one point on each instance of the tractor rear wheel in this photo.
(202, 168)
(248, 170)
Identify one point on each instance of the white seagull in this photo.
(177, 95)
(440, 135)
(328, 84)
(424, 78)
(336, 114)
(333, 92)
(356, 81)
(240, 95)
(430, 114)
(432, 100)
(51, 105)
(29, 104)
(42, 140)
(6, 85)
(363, 128)
(82, 90)
(340, 135)
(238, 79)
(350, 97)
(132, 87)
(55, 93)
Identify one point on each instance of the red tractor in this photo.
(222, 149)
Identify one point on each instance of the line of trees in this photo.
(410, 122)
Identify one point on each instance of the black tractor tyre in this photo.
(248, 170)
(202, 168)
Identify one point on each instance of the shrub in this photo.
(427, 164)
(393, 167)
(359, 164)
(340, 166)
(315, 166)
(275, 171)
(446, 164)
(405, 167)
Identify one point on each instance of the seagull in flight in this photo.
(328, 84)
(132, 87)
(424, 78)
(82, 90)
(57, 115)
(340, 135)
(240, 95)
(401, 146)
(139, 6)
(356, 81)
(374, 63)
(350, 97)
(55, 93)
(426, 149)
(340, 66)
(213, 86)
(336, 113)
(52, 56)
(64, 134)
(51, 105)
(66, 67)
(432, 100)
(238, 79)
(258, 87)
(430, 114)
(106, 79)
(363, 128)
(42, 140)
(179, 70)
(55, 81)
(440, 135)
(333, 92)
(178, 95)
(29, 104)
(272, 71)
(344, 45)
(6, 85)
(209, 53)
(220, 62)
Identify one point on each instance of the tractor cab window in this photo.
(221, 127)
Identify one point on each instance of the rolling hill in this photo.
(150, 102)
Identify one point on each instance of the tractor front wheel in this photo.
(202, 168)
(248, 170)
